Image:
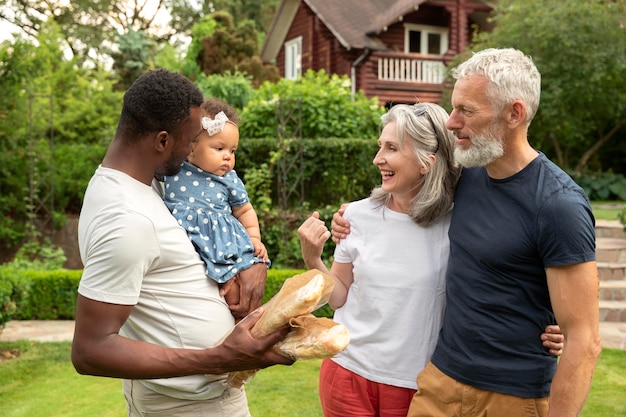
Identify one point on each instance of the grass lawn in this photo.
(41, 382)
(607, 210)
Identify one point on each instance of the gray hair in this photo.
(436, 195)
(512, 76)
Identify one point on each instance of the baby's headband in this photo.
(215, 125)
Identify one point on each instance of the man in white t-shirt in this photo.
(146, 312)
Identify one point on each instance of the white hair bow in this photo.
(216, 125)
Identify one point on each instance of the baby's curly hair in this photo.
(213, 106)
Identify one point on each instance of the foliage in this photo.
(51, 295)
(583, 97)
(321, 105)
(75, 164)
(219, 46)
(260, 12)
(227, 45)
(7, 305)
(185, 15)
(84, 23)
(88, 26)
(602, 185)
(38, 256)
(30, 292)
(203, 28)
(234, 88)
(41, 294)
(259, 187)
(135, 55)
(169, 56)
(43, 110)
(333, 170)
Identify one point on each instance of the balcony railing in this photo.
(392, 67)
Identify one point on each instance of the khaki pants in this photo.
(438, 395)
(142, 402)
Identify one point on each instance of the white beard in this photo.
(484, 149)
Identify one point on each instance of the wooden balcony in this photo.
(405, 78)
(410, 69)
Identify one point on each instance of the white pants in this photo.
(142, 402)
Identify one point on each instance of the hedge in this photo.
(51, 295)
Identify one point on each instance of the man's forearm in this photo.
(572, 381)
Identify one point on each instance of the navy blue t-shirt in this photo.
(503, 235)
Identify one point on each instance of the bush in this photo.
(280, 235)
(7, 305)
(51, 295)
(333, 170)
(234, 88)
(42, 295)
(314, 106)
(275, 280)
(602, 185)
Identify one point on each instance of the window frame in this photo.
(425, 30)
(293, 58)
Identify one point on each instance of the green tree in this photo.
(218, 46)
(261, 12)
(50, 102)
(88, 26)
(91, 27)
(579, 47)
(135, 55)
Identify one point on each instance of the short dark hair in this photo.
(158, 100)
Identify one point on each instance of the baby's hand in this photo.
(230, 290)
(259, 249)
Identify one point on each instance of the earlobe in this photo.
(518, 113)
(161, 140)
(426, 169)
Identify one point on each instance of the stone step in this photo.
(613, 311)
(610, 249)
(613, 290)
(610, 228)
(613, 335)
(611, 271)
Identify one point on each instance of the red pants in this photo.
(346, 394)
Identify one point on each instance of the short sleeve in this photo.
(566, 229)
(122, 249)
(237, 193)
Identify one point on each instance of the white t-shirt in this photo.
(394, 308)
(135, 253)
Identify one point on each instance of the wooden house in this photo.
(395, 50)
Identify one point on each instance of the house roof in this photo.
(355, 23)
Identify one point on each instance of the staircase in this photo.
(611, 258)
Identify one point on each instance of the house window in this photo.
(293, 58)
(429, 40)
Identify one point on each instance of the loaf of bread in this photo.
(310, 337)
(313, 337)
(299, 295)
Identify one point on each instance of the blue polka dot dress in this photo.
(201, 202)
